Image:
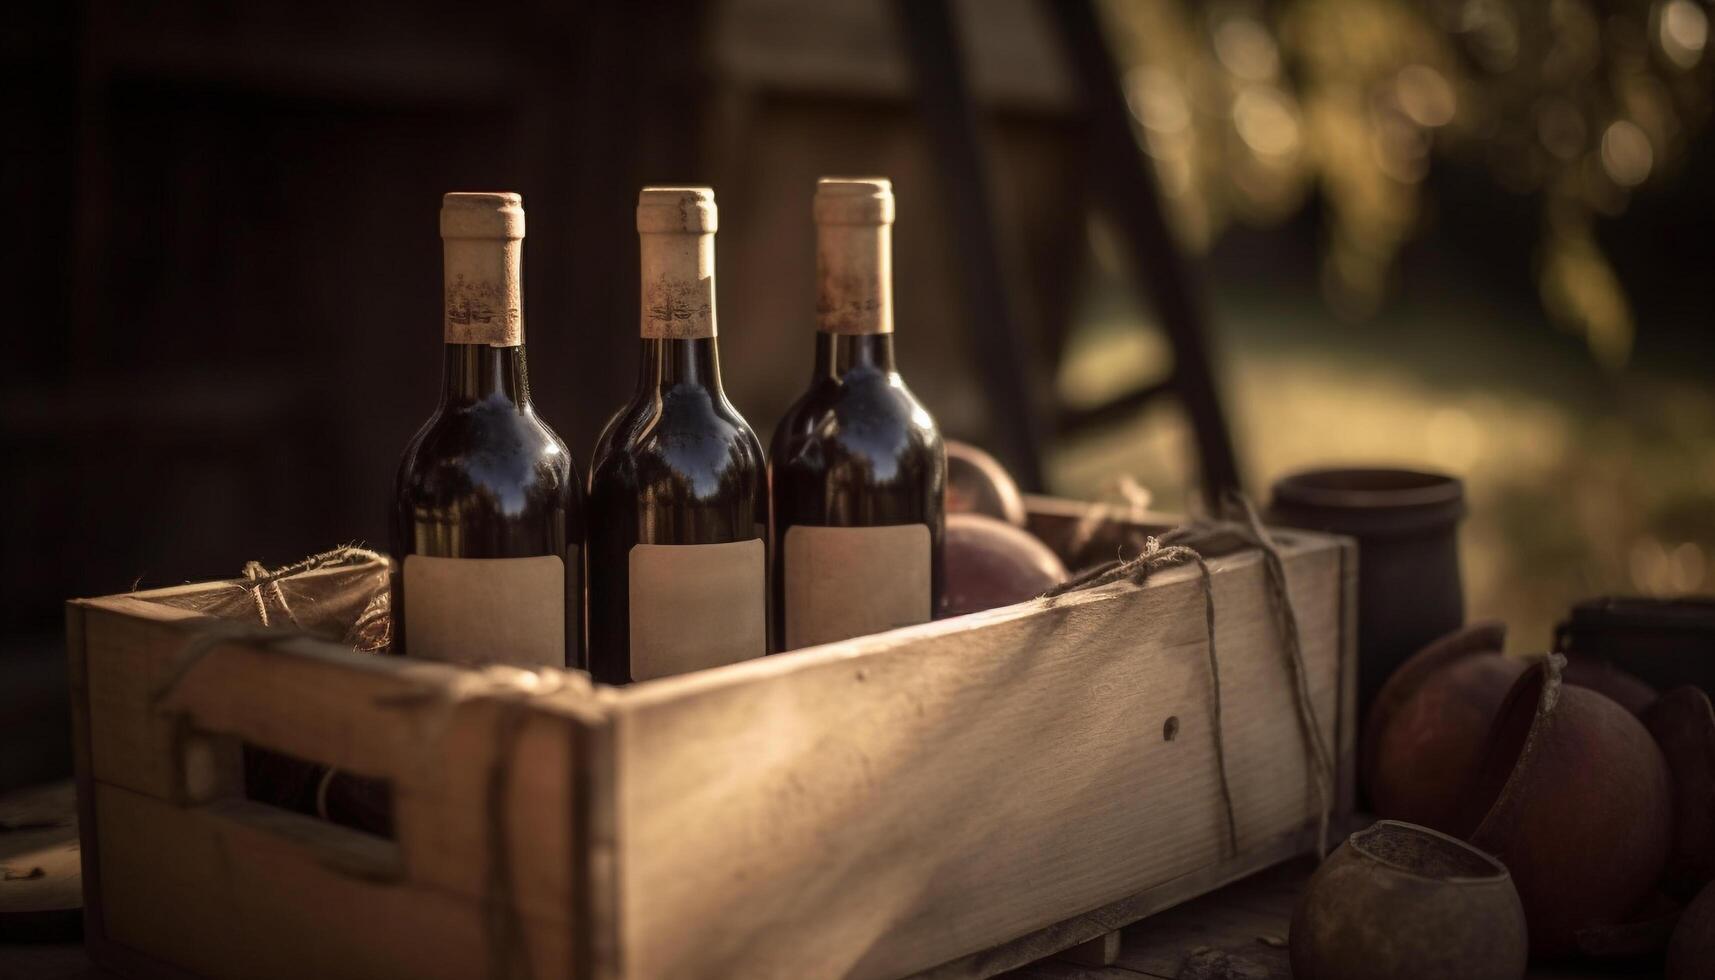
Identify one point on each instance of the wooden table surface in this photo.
(1239, 933)
(1236, 933)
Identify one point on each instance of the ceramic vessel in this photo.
(1409, 903)
(1603, 677)
(1406, 525)
(1427, 727)
(1683, 725)
(1691, 953)
(1573, 795)
(1664, 642)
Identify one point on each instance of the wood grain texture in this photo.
(958, 797)
(77, 678)
(861, 794)
(1100, 951)
(444, 737)
(1244, 926)
(129, 648)
(1131, 909)
(222, 897)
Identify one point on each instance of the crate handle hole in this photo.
(297, 785)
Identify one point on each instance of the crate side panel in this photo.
(129, 653)
(448, 821)
(77, 676)
(1267, 753)
(219, 898)
(873, 815)
(468, 764)
(429, 728)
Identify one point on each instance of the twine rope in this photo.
(1180, 546)
(1286, 624)
(1154, 557)
(258, 577)
(1121, 499)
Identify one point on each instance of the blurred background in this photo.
(1468, 235)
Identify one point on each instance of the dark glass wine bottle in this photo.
(488, 506)
(857, 467)
(678, 500)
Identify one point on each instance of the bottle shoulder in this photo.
(686, 430)
(864, 414)
(486, 445)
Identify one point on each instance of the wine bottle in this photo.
(488, 507)
(678, 496)
(857, 467)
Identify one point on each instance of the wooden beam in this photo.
(998, 340)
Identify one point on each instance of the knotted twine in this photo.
(261, 592)
(1180, 547)
(434, 707)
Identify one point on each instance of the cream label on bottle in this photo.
(477, 611)
(843, 582)
(697, 605)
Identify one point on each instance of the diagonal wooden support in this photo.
(997, 338)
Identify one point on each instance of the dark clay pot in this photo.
(1429, 725)
(1683, 725)
(1406, 525)
(1574, 796)
(1691, 954)
(1406, 902)
(1665, 642)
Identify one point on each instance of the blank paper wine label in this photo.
(486, 610)
(697, 605)
(843, 582)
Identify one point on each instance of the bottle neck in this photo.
(484, 291)
(854, 278)
(478, 372)
(839, 354)
(678, 297)
(667, 362)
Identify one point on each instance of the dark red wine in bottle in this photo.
(857, 467)
(488, 506)
(678, 499)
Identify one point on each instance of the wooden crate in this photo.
(952, 799)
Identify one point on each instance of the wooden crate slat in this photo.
(950, 798)
(217, 896)
(1128, 910)
(129, 648)
(861, 794)
(370, 715)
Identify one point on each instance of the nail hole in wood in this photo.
(1170, 728)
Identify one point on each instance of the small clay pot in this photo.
(1406, 525)
(1665, 642)
(1406, 902)
(1643, 935)
(1575, 798)
(1427, 727)
(1600, 675)
(1683, 724)
(1691, 952)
